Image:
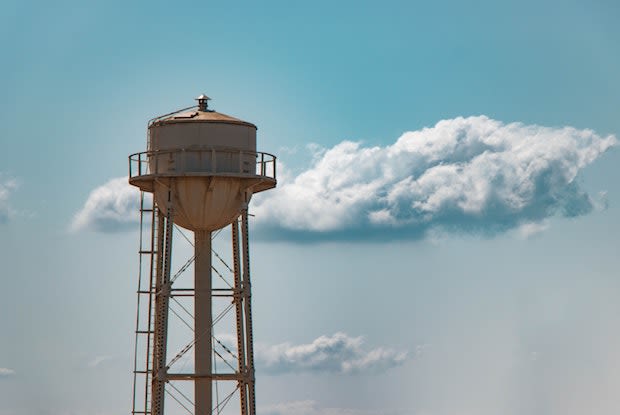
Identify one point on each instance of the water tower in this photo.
(202, 169)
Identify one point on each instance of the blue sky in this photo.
(512, 319)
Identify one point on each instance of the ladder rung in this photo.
(144, 332)
(147, 252)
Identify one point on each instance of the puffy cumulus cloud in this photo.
(473, 175)
(111, 207)
(98, 361)
(311, 407)
(338, 353)
(6, 372)
(7, 185)
(528, 230)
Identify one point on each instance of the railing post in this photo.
(181, 162)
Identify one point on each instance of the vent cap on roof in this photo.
(203, 104)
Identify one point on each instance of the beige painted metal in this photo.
(214, 162)
(203, 142)
(203, 167)
(203, 319)
(204, 203)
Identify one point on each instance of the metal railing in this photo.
(203, 162)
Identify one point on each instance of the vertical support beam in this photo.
(238, 299)
(203, 322)
(247, 290)
(162, 298)
(155, 247)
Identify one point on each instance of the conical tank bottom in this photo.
(204, 203)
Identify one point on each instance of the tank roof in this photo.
(200, 116)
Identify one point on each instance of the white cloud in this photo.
(472, 175)
(530, 229)
(109, 208)
(338, 353)
(462, 175)
(6, 372)
(7, 185)
(311, 407)
(98, 361)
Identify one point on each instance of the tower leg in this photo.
(162, 297)
(239, 300)
(203, 323)
(247, 289)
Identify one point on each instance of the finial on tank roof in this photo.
(203, 102)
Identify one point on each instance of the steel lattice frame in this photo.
(153, 378)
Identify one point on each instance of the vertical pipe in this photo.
(203, 323)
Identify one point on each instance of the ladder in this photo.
(145, 310)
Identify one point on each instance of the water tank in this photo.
(209, 162)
